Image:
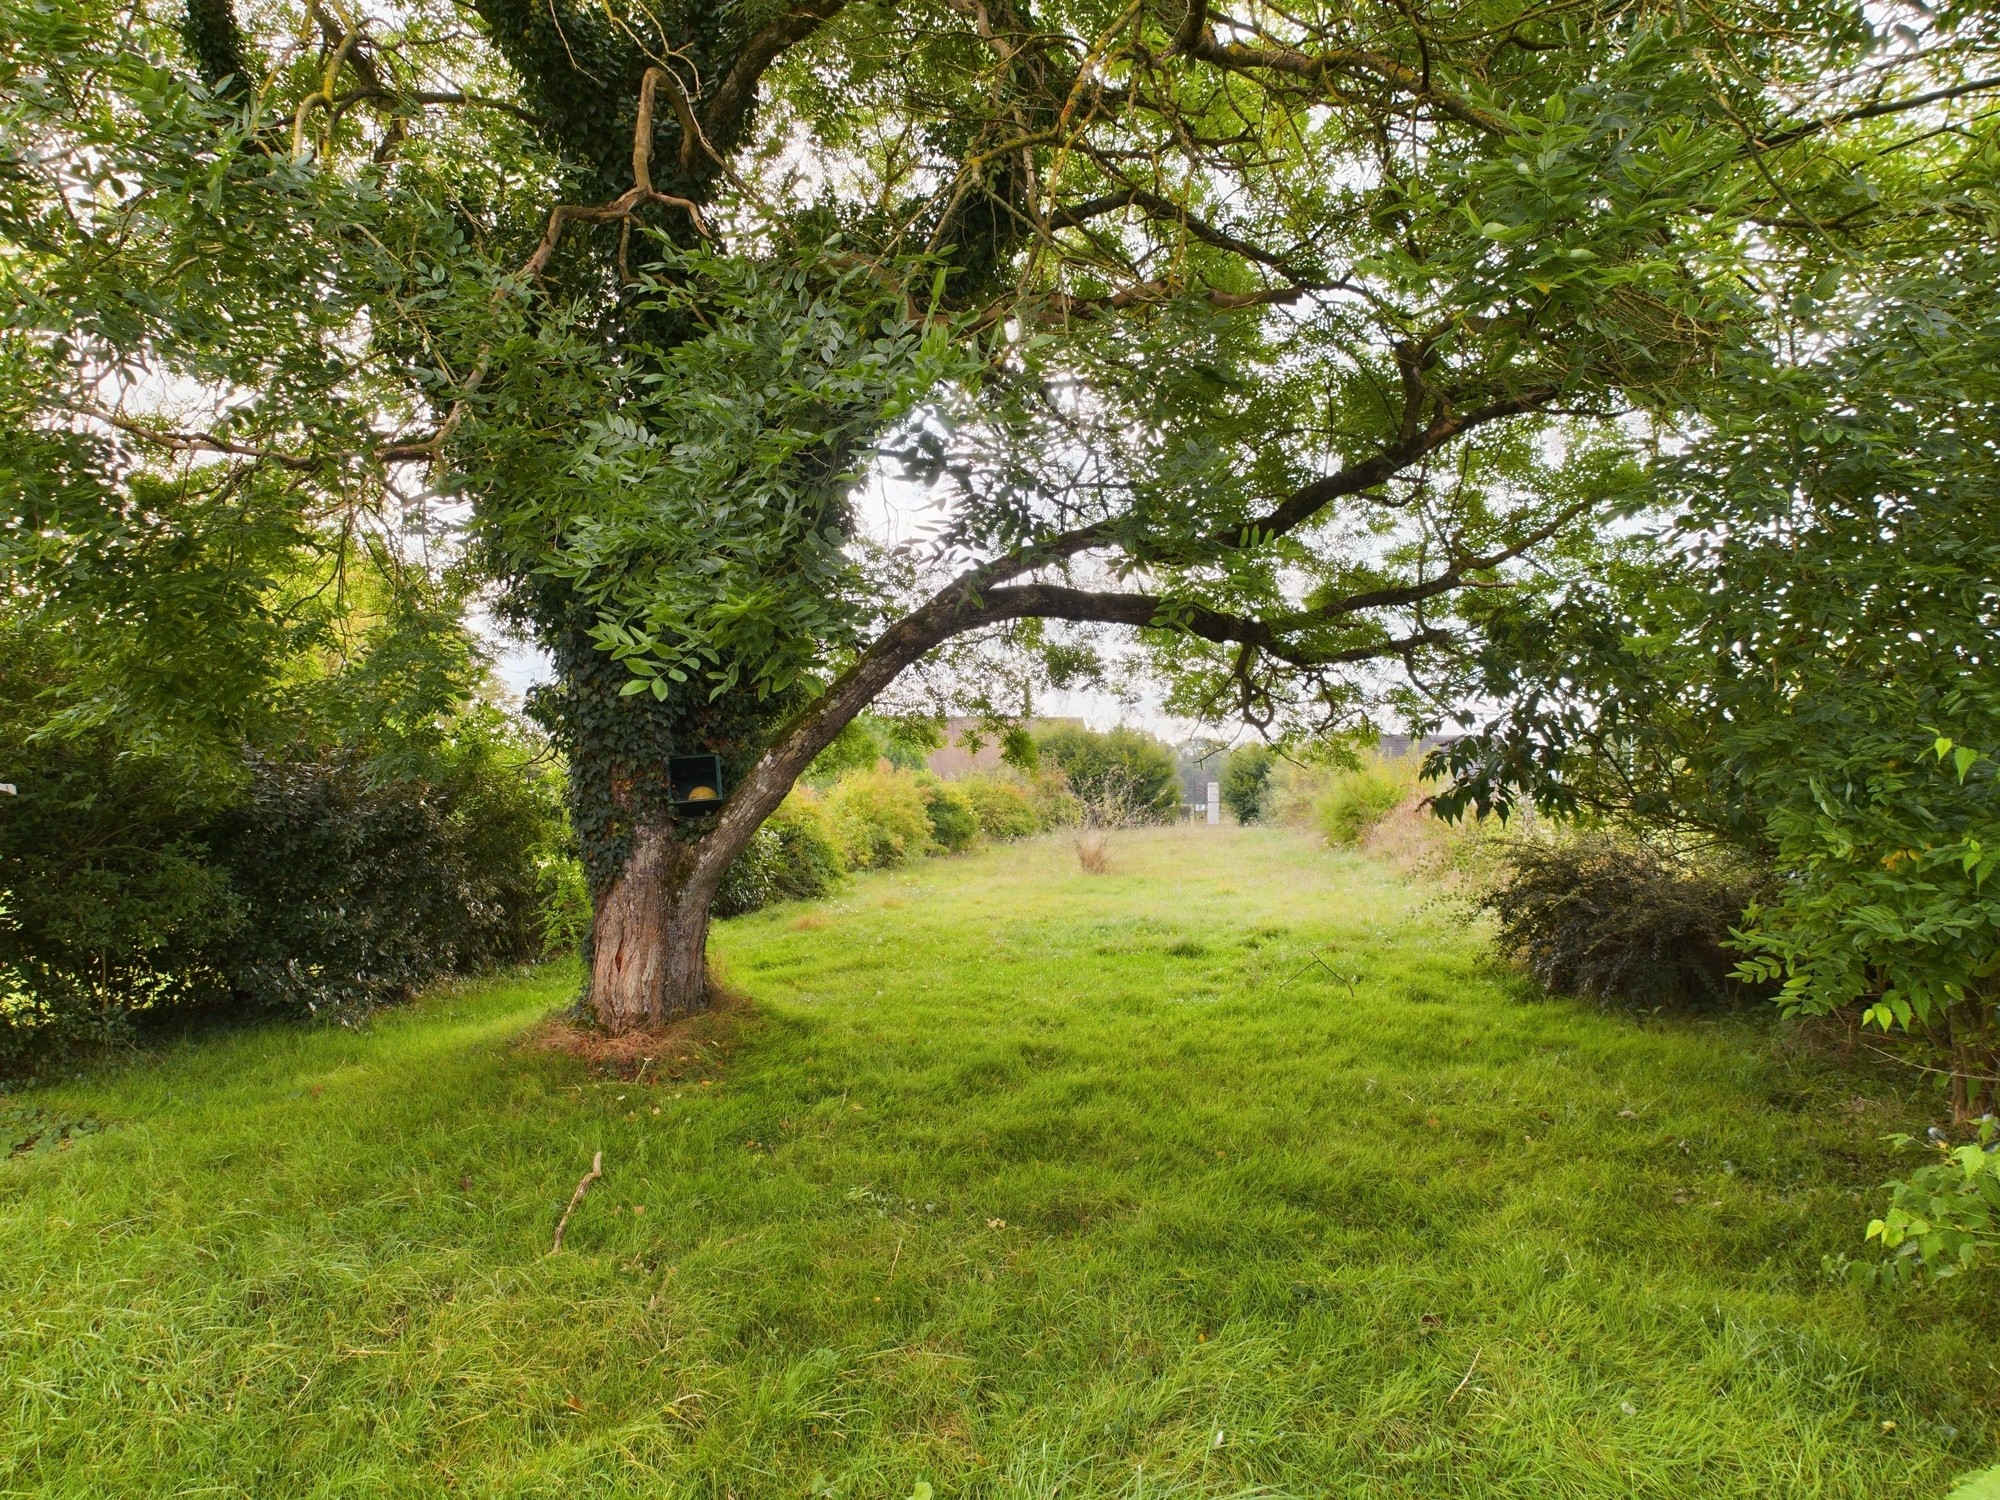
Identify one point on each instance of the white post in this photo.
(1214, 803)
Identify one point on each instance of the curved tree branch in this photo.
(730, 104)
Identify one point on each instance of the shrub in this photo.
(795, 856)
(136, 880)
(1140, 769)
(109, 901)
(1944, 1218)
(751, 881)
(1055, 804)
(882, 817)
(359, 887)
(1005, 807)
(1246, 782)
(954, 821)
(813, 862)
(1352, 801)
(1615, 919)
(562, 895)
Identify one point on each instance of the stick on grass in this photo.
(596, 1171)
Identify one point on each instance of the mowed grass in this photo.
(1011, 1181)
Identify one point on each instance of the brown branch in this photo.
(1165, 209)
(1050, 601)
(1144, 293)
(425, 97)
(1193, 28)
(966, 604)
(200, 442)
(1875, 111)
(692, 134)
(596, 1171)
(733, 97)
(1303, 504)
(1313, 67)
(1298, 508)
(620, 209)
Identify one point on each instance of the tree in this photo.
(1121, 767)
(1798, 662)
(1246, 782)
(1270, 335)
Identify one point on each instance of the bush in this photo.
(109, 901)
(883, 818)
(1943, 1220)
(562, 894)
(1614, 919)
(1005, 808)
(360, 888)
(954, 821)
(1246, 782)
(813, 862)
(1352, 801)
(795, 856)
(1055, 805)
(136, 881)
(1135, 768)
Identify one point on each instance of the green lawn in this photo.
(1014, 1182)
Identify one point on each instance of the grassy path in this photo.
(1016, 1182)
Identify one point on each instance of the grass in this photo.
(1013, 1182)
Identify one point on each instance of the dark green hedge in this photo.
(313, 880)
(359, 887)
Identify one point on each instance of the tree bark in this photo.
(649, 936)
(649, 931)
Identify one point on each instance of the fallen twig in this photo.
(1462, 1383)
(1317, 961)
(596, 1171)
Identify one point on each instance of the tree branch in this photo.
(1305, 503)
(1313, 67)
(1876, 111)
(733, 97)
(200, 442)
(1167, 210)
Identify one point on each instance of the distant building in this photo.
(1395, 746)
(954, 759)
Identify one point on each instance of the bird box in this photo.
(694, 782)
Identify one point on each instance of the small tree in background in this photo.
(1246, 782)
(1121, 769)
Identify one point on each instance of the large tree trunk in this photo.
(649, 937)
(649, 933)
